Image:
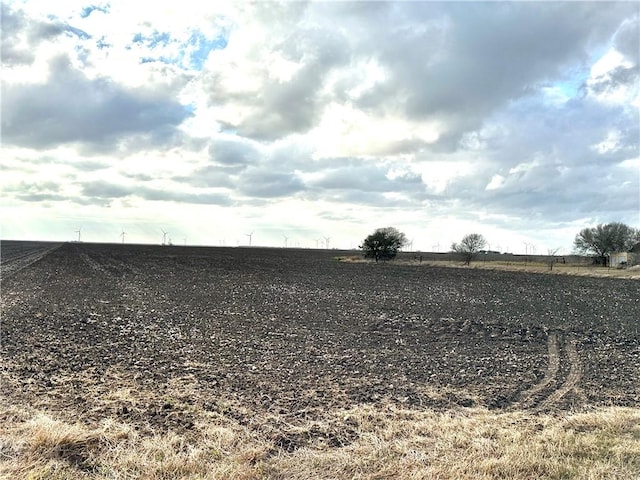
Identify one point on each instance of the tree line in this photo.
(598, 242)
(607, 238)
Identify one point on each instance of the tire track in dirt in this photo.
(93, 264)
(108, 266)
(13, 262)
(575, 373)
(553, 387)
(529, 398)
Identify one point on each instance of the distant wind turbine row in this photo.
(165, 239)
(323, 242)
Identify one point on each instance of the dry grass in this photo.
(576, 269)
(384, 442)
(560, 269)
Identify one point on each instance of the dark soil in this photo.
(246, 331)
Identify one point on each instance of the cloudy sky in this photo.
(213, 120)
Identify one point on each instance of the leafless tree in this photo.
(469, 246)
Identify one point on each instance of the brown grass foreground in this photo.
(389, 443)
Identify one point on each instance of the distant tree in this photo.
(605, 239)
(469, 246)
(383, 243)
(551, 256)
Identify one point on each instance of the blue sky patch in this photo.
(154, 40)
(202, 48)
(101, 43)
(162, 59)
(77, 32)
(86, 11)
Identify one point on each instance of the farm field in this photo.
(281, 358)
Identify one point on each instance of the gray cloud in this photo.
(294, 105)
(492, 76)
(47, 193)
(550, 167)
(338, 178)
(490, 54)
(452, 63)
(101, 191)
(233, 153)
(627, 38)
(204, 198)
(35, 164)
(264, 183)
(486, 55)
(21, 35)
(104, 189)
(211, 176)
(368, 178)
(620, 76)
(70, 108)
(30, 188)
(371, 199)
(12, 23)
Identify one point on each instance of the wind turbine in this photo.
(122, 235)
(164, 237)
(249, 235)
(286, 239)
(326, 242)
(79, 231)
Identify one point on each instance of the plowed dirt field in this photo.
(251, 330)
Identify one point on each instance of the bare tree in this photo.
(469, 246)
(551, 252)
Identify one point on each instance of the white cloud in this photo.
(337, 117)
(497, 181)
(614, 79)
(344, 130)
(609, 144)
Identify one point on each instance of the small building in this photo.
(619, 259)
(625, 259)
